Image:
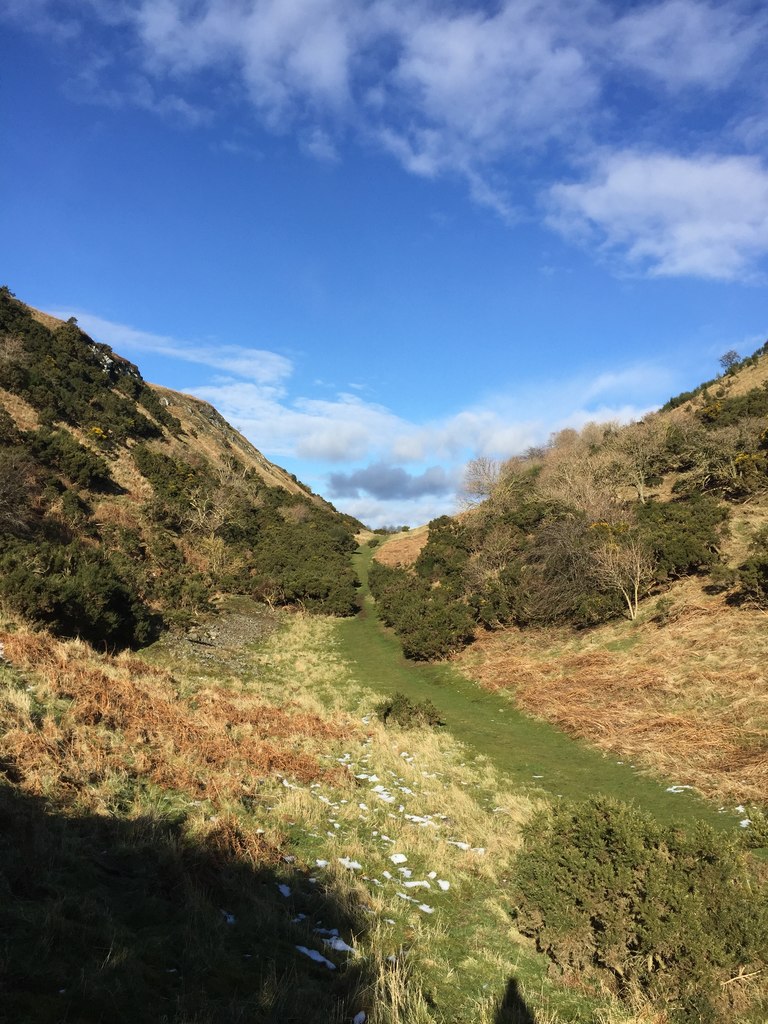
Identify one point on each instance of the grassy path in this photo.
(532, 753)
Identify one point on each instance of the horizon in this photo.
(383, 239)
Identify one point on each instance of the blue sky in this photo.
(386, 236)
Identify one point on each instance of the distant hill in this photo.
(125, 507)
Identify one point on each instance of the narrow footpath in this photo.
(534, 755)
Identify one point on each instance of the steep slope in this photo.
(125, 507)
(615, 582)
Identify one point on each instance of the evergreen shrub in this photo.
(606, 891)
(408, 714)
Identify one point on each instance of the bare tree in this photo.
(480, 479)
(624, 564)
(583, 480)
(640, 453)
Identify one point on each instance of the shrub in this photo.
(724, 412)
(430, 621)
(401, 710)
(74, 590)
(753, 574)
(683, 535)
(606, 891)
(59, 450)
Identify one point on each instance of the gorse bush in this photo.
(402, 711)
(430, 621)
(684, 535)
(110, 573)
(752, 576)
(59, 450)
(74, 590)
(606, 891)
(724, 412)
(67, 376)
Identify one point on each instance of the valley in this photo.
(260, 763)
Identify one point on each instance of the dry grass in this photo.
(22, 412)
(207, 433)
(112, 719)
(273, 769)
(402, 549)
(688, 700)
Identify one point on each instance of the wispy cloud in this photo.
(703, 216)
(688, 43)
(483, 93)
(253, 364)
(395, 468)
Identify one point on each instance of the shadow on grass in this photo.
(513, 1009)
(106, 920)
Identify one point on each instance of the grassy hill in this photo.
(615, 582)
(125, 507)
(245, 822)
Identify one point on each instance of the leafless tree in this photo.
(480, 479)
(639, 453)
(622, 563)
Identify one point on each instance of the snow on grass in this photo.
(317, 956)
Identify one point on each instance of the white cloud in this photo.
(373, 441)
(489, 94)
(686, 42)
(287, 52)
(703, 216)
(251, 363)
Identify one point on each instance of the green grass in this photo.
(532, 753)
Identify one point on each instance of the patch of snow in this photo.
(745, 822)
(338, 944)
(461, 846)
(321, 863)
(426, 909)
(678, 789)
(359, 1018)
(318, 957)
(417, 885)
(229, 918)
(400, 858)
(352, 865)
(283, 889)
(445, 886)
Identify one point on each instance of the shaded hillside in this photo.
(125, 507)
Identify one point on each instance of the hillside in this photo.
(126, 507)
(615, 583)
(252, 820)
